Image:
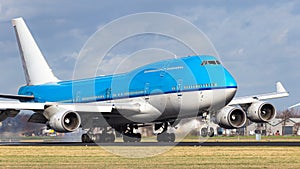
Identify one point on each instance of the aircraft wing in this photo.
(280, 92)
(293, 106)
(12, 108)
(80, 107)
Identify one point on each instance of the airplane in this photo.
(160, 93)
(293, 106)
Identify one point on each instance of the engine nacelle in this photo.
(261, 112)
(62, 120)
(231, 117)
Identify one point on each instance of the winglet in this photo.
(280, 88)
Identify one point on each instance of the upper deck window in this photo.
(210, 62)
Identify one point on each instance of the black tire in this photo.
(127, 138)
(85, 138)
(172, 137)
(161, 137)
(99, 138)
(112, 138)
(166, 137)
(138, 137)
(211, 132)
(204, 132)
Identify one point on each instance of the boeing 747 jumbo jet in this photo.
(160, 93)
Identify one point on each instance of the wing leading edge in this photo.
(280, 92)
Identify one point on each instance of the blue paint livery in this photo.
(167, 76)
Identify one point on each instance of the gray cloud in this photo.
(257, 41)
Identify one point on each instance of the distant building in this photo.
(290, 126)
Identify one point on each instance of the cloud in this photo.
(258, 41)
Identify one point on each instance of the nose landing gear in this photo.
(207, 131)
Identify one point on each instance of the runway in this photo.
(151, 144)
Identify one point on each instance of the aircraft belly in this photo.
(166, 107)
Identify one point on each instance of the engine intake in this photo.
(62, 120)
(261, 112)
(231, 117)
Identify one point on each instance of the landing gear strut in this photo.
(164, 136)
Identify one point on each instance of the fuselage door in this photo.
(179, 88)
(77, 97)
(147, 91)
(108, 94)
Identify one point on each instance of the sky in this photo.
(258, 42)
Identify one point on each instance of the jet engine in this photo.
(62, 120)
(261, 112)
(231, 117)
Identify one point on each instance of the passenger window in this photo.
(204, 63)
(210, 62)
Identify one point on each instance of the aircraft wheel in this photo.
(138, 137)
(160, 137)
(127, 138)
(112, 138)
(211, 132)
(166, 137)
(172, 137)
(99, 138)
(132, 137)
(204, 132)
(85, 138)
(105, 138)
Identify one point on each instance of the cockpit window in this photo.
(210, 62)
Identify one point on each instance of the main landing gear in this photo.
(106, 136)
(207, 131)
(130, 136)
(164, 136)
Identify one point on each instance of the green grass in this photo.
(176, 157)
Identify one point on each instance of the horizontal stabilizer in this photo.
(17, 97)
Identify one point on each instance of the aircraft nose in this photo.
(231, 86)
(230, 93)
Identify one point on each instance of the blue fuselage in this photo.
(193, 73)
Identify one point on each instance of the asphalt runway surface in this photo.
(151, 144)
